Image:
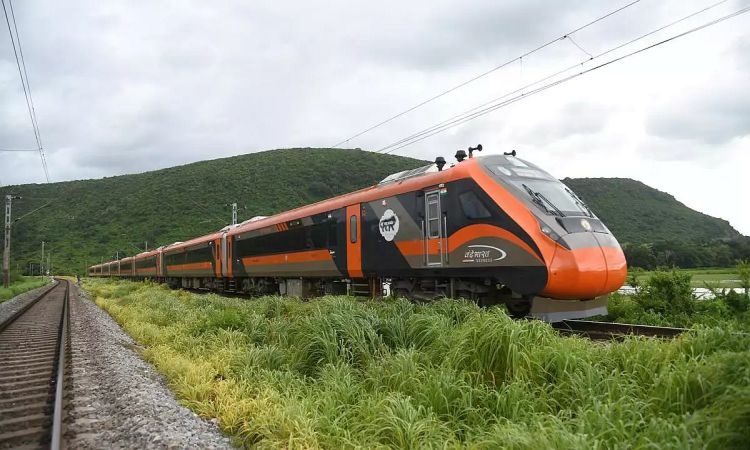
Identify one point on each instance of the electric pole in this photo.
(41, 263)
(6, 243)
(234, 213)
(49, 265)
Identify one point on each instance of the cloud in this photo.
(124, 87)
(740, 54)
(572, 120)
(439, 34)
(713, 118)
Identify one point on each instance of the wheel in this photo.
(519, 308)
(400, 293)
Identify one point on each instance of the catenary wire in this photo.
(553, 75)
(31, 97)
(570, 38)
(456, 118)
(24, 83)
(496, 106)
(25, 73)
(483, 74)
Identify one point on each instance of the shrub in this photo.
(667, 293)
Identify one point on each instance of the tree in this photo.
(640, 256)
(743, 271)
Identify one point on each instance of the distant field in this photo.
(723, 277)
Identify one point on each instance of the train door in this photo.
(224, 266)
(433, 232)
(160, 272)
(354, 241)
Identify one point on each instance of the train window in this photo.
(434, 228)
(433, 209)
(353, 229)
(318, 235)
(472, 206)
(332, 233)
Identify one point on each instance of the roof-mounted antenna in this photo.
(440, 162)
(513, 153)
(460, 155)
(477, 148)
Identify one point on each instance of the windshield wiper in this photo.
(540, 200)
(580, 203)
(535, 199)
(557, 210)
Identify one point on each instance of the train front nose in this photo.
(593, 265)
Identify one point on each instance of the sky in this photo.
(125, 87)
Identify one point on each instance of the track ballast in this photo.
(32, 352)
(612, 330)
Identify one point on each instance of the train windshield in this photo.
(554, 197)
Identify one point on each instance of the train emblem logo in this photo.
(483, 254)
(388, 225)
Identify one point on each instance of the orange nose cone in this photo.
(617, 268)
(585, 273)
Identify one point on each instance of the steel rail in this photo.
(37, 327)
(4, 324)
(607, 330)
(59, 383)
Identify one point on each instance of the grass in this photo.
(20, 286)
(340, 372)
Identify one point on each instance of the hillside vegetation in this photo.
(94, 219)
(637, 213)
(91, 220)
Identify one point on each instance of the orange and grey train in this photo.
(495, 228)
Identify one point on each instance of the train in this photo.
(494, 228)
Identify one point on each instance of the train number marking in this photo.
(388, 225)
(480, 253)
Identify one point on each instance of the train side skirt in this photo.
(551, 310)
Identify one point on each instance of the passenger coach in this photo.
(496, 229)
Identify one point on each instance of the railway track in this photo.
(32, 365)
(611, 330)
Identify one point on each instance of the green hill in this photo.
(637, 213)
(93, 219)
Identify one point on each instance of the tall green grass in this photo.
(340, 372)
(21, 285)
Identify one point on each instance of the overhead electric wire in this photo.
(478, 111)
(483, 74)
(522, 88)
(570, 38)
(21, 64)
(18, 150)
(25, 73)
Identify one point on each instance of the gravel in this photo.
(115, 399)
(9, 307)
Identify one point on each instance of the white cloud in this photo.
(122, 87)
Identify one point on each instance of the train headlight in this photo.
(549, 232)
